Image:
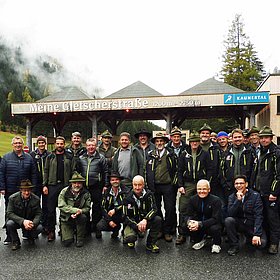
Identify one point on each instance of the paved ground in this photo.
(108, 259)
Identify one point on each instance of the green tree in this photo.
(241, 66)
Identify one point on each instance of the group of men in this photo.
(226, 184)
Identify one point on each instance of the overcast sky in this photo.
(169, 45)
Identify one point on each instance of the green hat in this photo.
(25, 184)
(205, 127)
(77, 177)
(266, 131)
(194, 137)
(175, 130)
(106, 133)
(160, 135)
(253, 129)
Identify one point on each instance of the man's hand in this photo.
(272, 197)
(28, 225)
(45, 190)
(142, 225)
(112, 212)
(239, 195)
(112, 224)
(256, 240)
(182, 190)
(74, 216)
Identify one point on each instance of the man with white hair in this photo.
(204, 217)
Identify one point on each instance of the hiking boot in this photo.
(168, 237)
(273, 249)
(216, 249)
(131, 245)
(180, 239)
(79, 243)
(15, 245)
(51, 236)
(199, 245)
(153, 248)
(232, 251)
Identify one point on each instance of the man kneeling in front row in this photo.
(24, 211)
(140, 214)
(74, 205)
(204, 217)
(245, 215)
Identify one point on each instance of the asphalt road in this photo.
(109, 259)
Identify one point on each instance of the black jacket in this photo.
(268, 171)
(250, 210)
(206, 210)
(187, 172)
(132, 214)
(95, 168)
(108, 204)
(151, 166)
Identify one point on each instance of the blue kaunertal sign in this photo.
(246, 98)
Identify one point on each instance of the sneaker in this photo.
(273, 249)
(199, 245)
(15, 245)
(168, 237)
(7, 241)
(153, 248)
(180, 239)
(131, 245)
(232, 251)
(216, 249)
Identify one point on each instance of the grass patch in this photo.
(5, 142)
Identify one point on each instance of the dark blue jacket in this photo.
(250, 210)
(13, 169)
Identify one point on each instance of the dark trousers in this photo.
(215, 231)
(103, 225)
(96, 212)
(53, 194)
(169, 222)
(272, 219)
(130, 234)
(12, 231)
(234, 225)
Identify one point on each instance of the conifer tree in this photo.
(241, 66)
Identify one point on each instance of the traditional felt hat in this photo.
(77, 177)
(205, 127)
(106, 133)
(25, 184)
(175, 130)
(254, 129)
(143, 131)
(246, 132)
(266, 131)
(160, 135)
(116, 174)
(194, 137)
